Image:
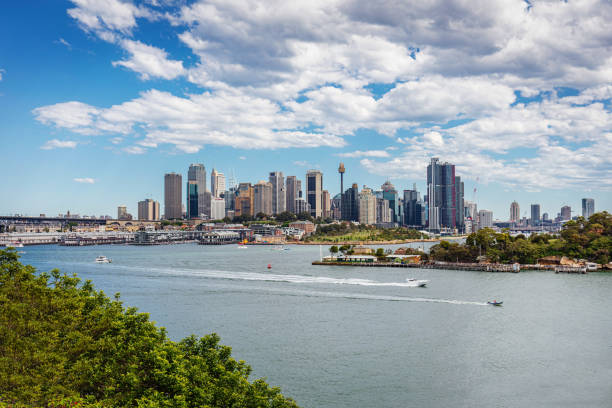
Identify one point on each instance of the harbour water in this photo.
(363, 337)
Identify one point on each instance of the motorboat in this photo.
(421, 283)
(494, 303)
(242, 246)
(103, 259)
(13, 244)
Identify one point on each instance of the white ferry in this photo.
(103, 259)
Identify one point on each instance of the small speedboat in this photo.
(103, 259)
(494, 303)
(242, 247)
(421, 283)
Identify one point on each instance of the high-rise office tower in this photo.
(279, 195)
(383, 212)
(367, 206)
(217, 183)
(410, 207)
(148, 210)
(243, 204)
(566, 212)
(535, 214)
(444, 195)
(515, 212)
(485, 218)
(350, 211)
(262, 198)
(121, 212)
(173, 194)
(325, 204)
(292, 192)
(588, 207)
(390, 194)
(459, 204)
(314, 187)
(197, 173)
(193, 210)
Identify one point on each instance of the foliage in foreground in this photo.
(582, 239)
(65, 344)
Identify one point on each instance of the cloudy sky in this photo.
(99, 98)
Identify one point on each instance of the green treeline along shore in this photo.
(64, 344)
(579, 239)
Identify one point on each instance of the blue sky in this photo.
(98, 99)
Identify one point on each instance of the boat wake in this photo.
(269, 277)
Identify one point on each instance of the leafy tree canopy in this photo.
(62, 343)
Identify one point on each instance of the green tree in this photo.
(63, 342)
(333, 249)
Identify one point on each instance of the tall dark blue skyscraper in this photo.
(444, 196)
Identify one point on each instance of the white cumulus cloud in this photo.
(85, 180)
(55, 144)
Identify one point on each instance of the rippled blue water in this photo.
(358, 337)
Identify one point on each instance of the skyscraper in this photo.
(350, 209)
(217, 183)
(262, 198)
(121, 212)
(243, 204)
(197, 172)
(173, 194)
(566, 212)
(367, 206)
(292, 192)
(314, 187)
(325, 204)
(515, 212)
(148, 210)
(588, 207)
(279, 195)
(444, 196)
(535, 214)
(390, 194)
(410, 207)
(485, 218)
(193, 210)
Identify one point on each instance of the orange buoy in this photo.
(269, 266)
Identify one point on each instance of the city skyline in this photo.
(126, 95)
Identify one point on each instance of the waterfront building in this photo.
(122, 212)
(293, 191)
(588, 207)
(325, 204)
(173, 194)
(306, 226)
(217, 183)
(383, 212)
(314, 187)
(444, 196)
(148, 210)
(515, 212)
(244, 200)
(279, 196)
(535, 214)
(367, 206)
(262, 198)
(485, 218)
(566, 213)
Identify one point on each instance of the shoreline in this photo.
(391, 242)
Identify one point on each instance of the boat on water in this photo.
(13, 244)
(494, 303)
(242, 246)
(103, 259)
(421, 283)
